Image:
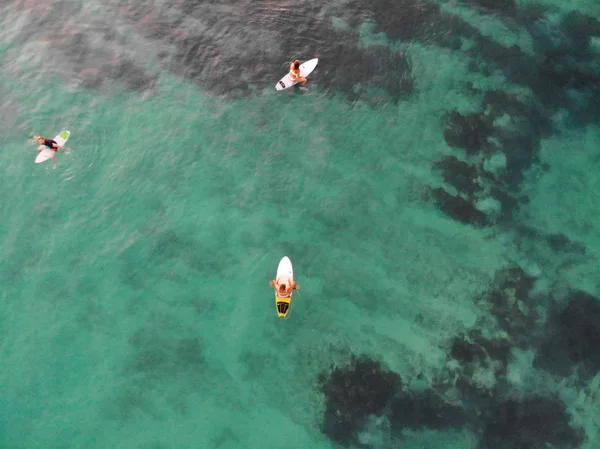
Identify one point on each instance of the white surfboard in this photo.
(47, 153)
(306, 69)
(285, 275)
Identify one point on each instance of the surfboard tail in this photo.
(283, 306)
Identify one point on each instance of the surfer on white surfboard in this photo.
(50, 143)
(295, 73)
(284, 290)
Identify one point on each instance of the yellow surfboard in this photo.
(283, 306)
(285, 274)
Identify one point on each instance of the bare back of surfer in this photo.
(284, 290)
(295, 73)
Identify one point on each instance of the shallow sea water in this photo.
(135, 306)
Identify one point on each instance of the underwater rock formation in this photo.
(572, 339)
(354, 393)
(363, 389)
(424, 410)
(363, 397)
(469, 131)
(475, 374)
(529, 423)
(412, 20)
(207, 47)
(561, 75)
(459, 208)
(502, 7)
(497, 156)
(508, 300)
(561, 243)
(461, 175)
(475, 350)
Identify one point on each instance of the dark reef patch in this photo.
(380, 68)
(521, 150)
(412, 20)
(404, 20)
(459, 208)
(424, 410)
(352, 394)
(477, 134)
(561, 243)
(579, 29)
(469, 131)
(562, 63)
(471, 356)
(562, 74)
(460, 175)
(475, 350)
(502, 7)
(509, 302)
(466, 352)
(499, 103)
(510, 204)
(501, 420)
(529, 423)
(240, 63)
(213, 50)
(363, 388)
(572, 338)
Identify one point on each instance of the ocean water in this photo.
(435, 188)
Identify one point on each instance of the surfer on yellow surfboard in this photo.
(284, 286)
(284, 290)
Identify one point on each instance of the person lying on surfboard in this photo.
(50, 143)
(283, 290)
(295, 73)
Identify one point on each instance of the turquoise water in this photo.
(136, 310)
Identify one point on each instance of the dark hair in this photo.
(296, 64)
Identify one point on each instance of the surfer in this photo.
(295, 73)
(283, 290)
(50, 143)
